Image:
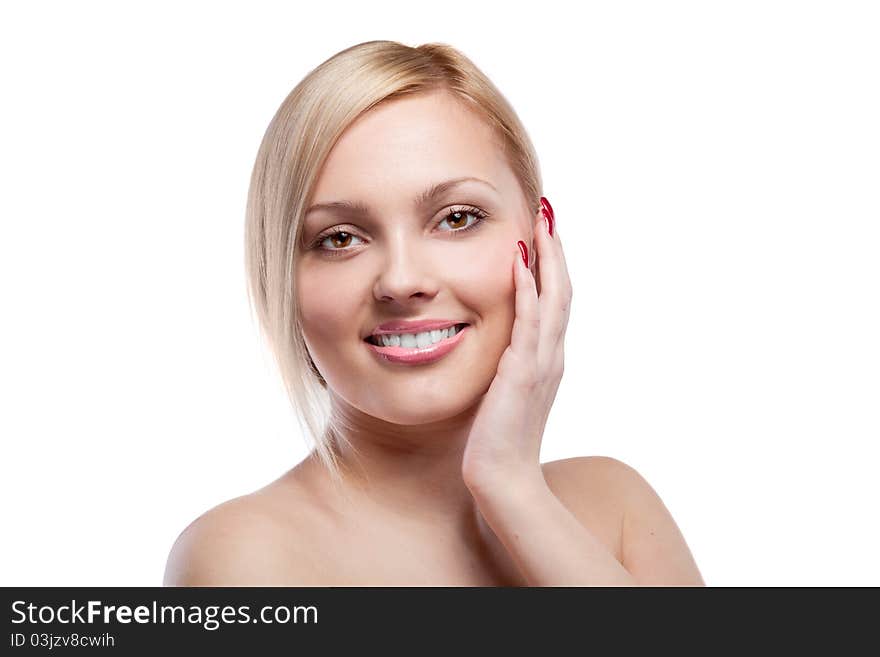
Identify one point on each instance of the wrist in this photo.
(524, 482)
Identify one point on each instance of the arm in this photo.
(549, 545)
(552, 547)
(500, 464)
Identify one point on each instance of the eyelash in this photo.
(465, 210)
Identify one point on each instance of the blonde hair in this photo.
(293, 150)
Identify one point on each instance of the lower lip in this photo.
(419, 356)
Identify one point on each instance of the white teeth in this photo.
(417, 340)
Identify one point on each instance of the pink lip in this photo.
(418, 356)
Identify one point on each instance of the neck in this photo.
(411, 471)
(407, 477)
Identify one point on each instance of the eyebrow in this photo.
(358, 208)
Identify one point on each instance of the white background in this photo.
(714, 168)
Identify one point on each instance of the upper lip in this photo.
(416, 326)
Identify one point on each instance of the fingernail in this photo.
(548, 212)
(548, 221)
(524, 250)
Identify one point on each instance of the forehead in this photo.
(406, 143)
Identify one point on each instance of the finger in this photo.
(564, 276)
(535, 266)
(554, 301)
(526, 323)
(556, 239)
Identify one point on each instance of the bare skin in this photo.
(300, 531)
(409, 512)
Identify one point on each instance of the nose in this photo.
(406, 270)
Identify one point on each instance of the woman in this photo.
(410, 279)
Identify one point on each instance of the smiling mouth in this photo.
(377, 341)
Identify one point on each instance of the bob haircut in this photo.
(294, 148)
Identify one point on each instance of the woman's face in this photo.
(402, 259)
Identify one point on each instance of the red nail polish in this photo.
(548, 219)
(548, 207)
(525, 252)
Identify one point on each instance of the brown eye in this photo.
(340, 239)
(334, 240)
(458, 219)
(462, 219)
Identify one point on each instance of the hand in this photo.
(505, 439)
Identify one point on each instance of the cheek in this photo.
(326, 308)
(487, 274)
(484, 282)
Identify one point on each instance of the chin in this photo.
(403, 413)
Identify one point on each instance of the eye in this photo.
(338, 238)
(340, 241)
(457, 218)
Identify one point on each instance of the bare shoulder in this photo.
(590, 482)
(650, 545)
(583, 484)
(583, 470)
(245, 541)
